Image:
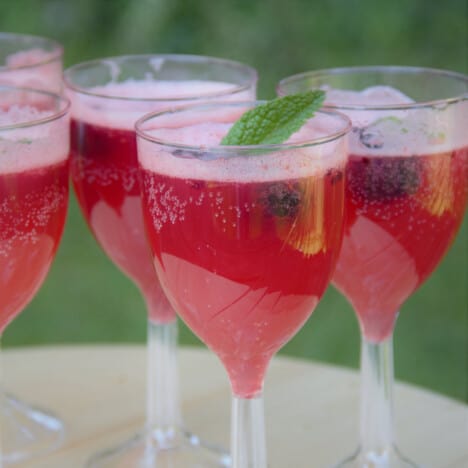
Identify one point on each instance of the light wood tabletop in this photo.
(311, 408)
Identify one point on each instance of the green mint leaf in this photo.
(275, 121)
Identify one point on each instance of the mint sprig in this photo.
(274, 122)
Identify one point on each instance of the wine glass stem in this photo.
(376, 398)
(163, 398)
(248, 444)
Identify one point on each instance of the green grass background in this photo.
(86, 299)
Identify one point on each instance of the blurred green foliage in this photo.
(85, 298)
(278, 37)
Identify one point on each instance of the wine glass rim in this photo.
(239, 148)
(390, 69)
(63, 108)
(236, 88)
(55, 54)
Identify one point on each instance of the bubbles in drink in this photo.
(25, 217)
(89, 172)
(164, 205)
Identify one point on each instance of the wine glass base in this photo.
(27, 431)
(391, 458)
(171, 449)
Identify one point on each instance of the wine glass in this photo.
(108, 96)
(406, 195)
(34, 62)
(34, 147)
(31, 61)
(244, 239)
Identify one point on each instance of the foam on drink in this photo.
(34, 68)
(155, 95)
(28, 58)
(401, 128)
(225, 164)
(29, 146)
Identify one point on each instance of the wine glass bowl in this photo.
(108, 96)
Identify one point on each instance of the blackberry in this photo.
(384, 178)
(282, 199)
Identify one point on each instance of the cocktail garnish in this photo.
(384, 179)
(290, 203)
(282, 199)
(274, 122)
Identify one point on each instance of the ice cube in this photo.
(374, 96)
(384, 96)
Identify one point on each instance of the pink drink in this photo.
(406, 195)
(105, 173)
(33, 205)
(244, 246)
(402, 215)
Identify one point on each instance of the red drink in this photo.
(105, 177)
(256, 264)
(402, 214)
(244, 247)
(33, 205)
(104, 172)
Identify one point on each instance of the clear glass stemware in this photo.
(406, 195)
(244, 239)
(108, 96)
(34, 148)
(34, 62)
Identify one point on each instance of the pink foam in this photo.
(161, 89)
(34, 68)
(273, 165)
(29, 147)
(29, 57)
(21, 114)
(123, 113)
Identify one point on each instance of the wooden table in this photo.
(311, 408)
